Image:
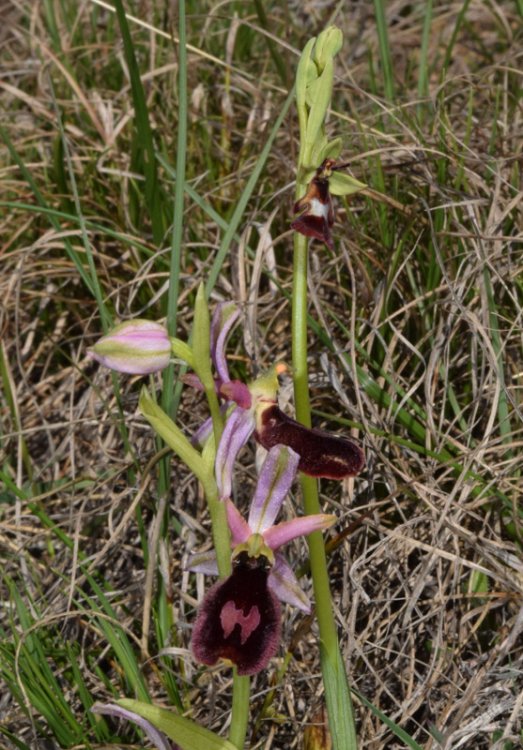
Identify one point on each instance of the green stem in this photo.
(337, 693)
(241, 690)
(220, 528)
(309, 485)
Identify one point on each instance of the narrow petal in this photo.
(321, 453)
(158, 739)
(225, 316)
(239, 620)
(240, 529)
(205, 430)
(282, 533)
(285, 585)
(235, 390)
(193, 381)
(203, 562)
(276, 476)
(237, 431)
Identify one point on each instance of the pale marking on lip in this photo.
(230, 616)
(317, 208)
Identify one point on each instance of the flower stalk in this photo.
(314, 76)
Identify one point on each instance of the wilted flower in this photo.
(137, 347)
(239, 618)
(256, 410)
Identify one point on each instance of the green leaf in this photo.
(144, 135)
(172, 436)
(319, 106)
(478, 583)
(209, 453)
(344, 184)
(397, 730)
(185, 732)
(338, 698)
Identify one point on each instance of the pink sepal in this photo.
(278, 535)
(285, 585)
(240, 529)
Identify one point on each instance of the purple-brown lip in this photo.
(321, 454)
(316, 213)
(239, 619)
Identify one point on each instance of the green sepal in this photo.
(183, 351)
(319, 106)
(173, 436)
(186, 733)
(328, 44)
(344, 184)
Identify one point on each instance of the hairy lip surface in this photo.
(239, 620)
(321, 454)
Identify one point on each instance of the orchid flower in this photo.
(256, 410)
(239, 618)
(137, 347)
(315, 210)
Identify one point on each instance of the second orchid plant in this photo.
(238, 623)
(239, 619)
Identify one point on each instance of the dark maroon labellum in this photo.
(239, 618)
(321, 454)
(316, 213)
(314, 226)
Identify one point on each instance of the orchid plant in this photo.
(239, 620)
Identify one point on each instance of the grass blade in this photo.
(383, 38)
(143, 141)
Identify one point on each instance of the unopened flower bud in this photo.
(137, 347)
